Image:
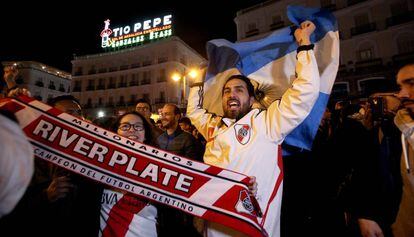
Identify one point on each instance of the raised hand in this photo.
(303, 33)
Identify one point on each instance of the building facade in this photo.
(377, 37)
(111, 83)
(41, 80)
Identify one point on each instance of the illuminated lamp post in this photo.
(177, 77)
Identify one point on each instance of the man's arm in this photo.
(296, 103)
(199, 116)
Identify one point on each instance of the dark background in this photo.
(53, 32)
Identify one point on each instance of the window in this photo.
(146, 97)
(111, 83)
(399, 8)
(326, 3)
(134, 81)
(251, 26)
(78, 71)
(340, 89)
(132, 99)
(100, 101)
(77, 87)
(146, 78)
(162, 59)
(162, 76)
(91, 85)
(122, 81)
(183, 60)
(61, 88)
(101, 84)
(121, 100)
(52, 85)
(361, 19)
(39, 82)
(365, 54)
(405, 44)
(277, 22)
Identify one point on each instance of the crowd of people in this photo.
(356, 181)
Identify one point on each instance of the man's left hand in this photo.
(303, 33)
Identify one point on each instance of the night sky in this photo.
(34, 31)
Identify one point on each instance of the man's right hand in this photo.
(59, 188)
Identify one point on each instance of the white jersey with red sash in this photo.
(126, 215)
(251, 145)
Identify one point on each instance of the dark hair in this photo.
(250, 87)
(142, 100)
(176, 109)
(53, 101)
(147, 126)
(185, 120)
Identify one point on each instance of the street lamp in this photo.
(192, 73)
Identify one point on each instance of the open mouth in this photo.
(233, 104)
(132, 137)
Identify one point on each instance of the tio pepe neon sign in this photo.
(140, 32)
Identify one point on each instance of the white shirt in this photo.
(251, 144)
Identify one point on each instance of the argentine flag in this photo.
(270, 64)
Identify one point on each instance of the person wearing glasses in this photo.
(123, 214)
(144, 108)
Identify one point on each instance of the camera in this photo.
(378, 107)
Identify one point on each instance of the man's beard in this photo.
(236, 114)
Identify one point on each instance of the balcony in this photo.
(100, 87)
(110, 104)
(402, 59)
(135, 65)
(160, 100)
(400, 19)
(103, 70)
(369, 66)
(146, 63)
(357, 30)
(124, 67)
(113, 69)
(330, 7)
(91, 72)
(353, 2)
(90, 88)
(78, 73)
(277, 25)
(39, 84)
(252, 33)
(133, 83)
(145, 81)
(121, 103)
(112, 86)
(342, 70)
(122, 84)
(162, 79)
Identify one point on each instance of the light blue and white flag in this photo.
(270, 64)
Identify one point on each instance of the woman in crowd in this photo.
(122, 213)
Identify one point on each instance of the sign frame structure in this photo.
(137, 33)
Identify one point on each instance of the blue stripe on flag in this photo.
(249, 57)
(302, 136)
